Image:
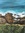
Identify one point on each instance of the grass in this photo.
(10, 28)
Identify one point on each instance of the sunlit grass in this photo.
(16, 28)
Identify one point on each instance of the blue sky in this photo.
(16, 5)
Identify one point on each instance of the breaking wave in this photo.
(21, 14)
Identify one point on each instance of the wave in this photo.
(21, 14)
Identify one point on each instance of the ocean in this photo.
(13, 10)
(13, 6)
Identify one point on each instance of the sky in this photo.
(15, 6)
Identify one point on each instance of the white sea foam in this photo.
(21, 14)
(10, 11)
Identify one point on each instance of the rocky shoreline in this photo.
(8, 18)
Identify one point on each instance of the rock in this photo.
(9, 17)
(0, 15)
(2, 20)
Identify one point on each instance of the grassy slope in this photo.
(2, 26)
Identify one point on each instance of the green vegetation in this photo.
(10, 29)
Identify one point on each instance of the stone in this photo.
(9, 17)
(2, 20)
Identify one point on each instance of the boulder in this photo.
(2, 20)
(9, 17)
(0, 15)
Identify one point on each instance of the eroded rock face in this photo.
(22, 21)
(2, 20)
(9, 17)
(0, 15)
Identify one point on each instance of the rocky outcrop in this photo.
(0, 15)
(9, 17)
(2, 20)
